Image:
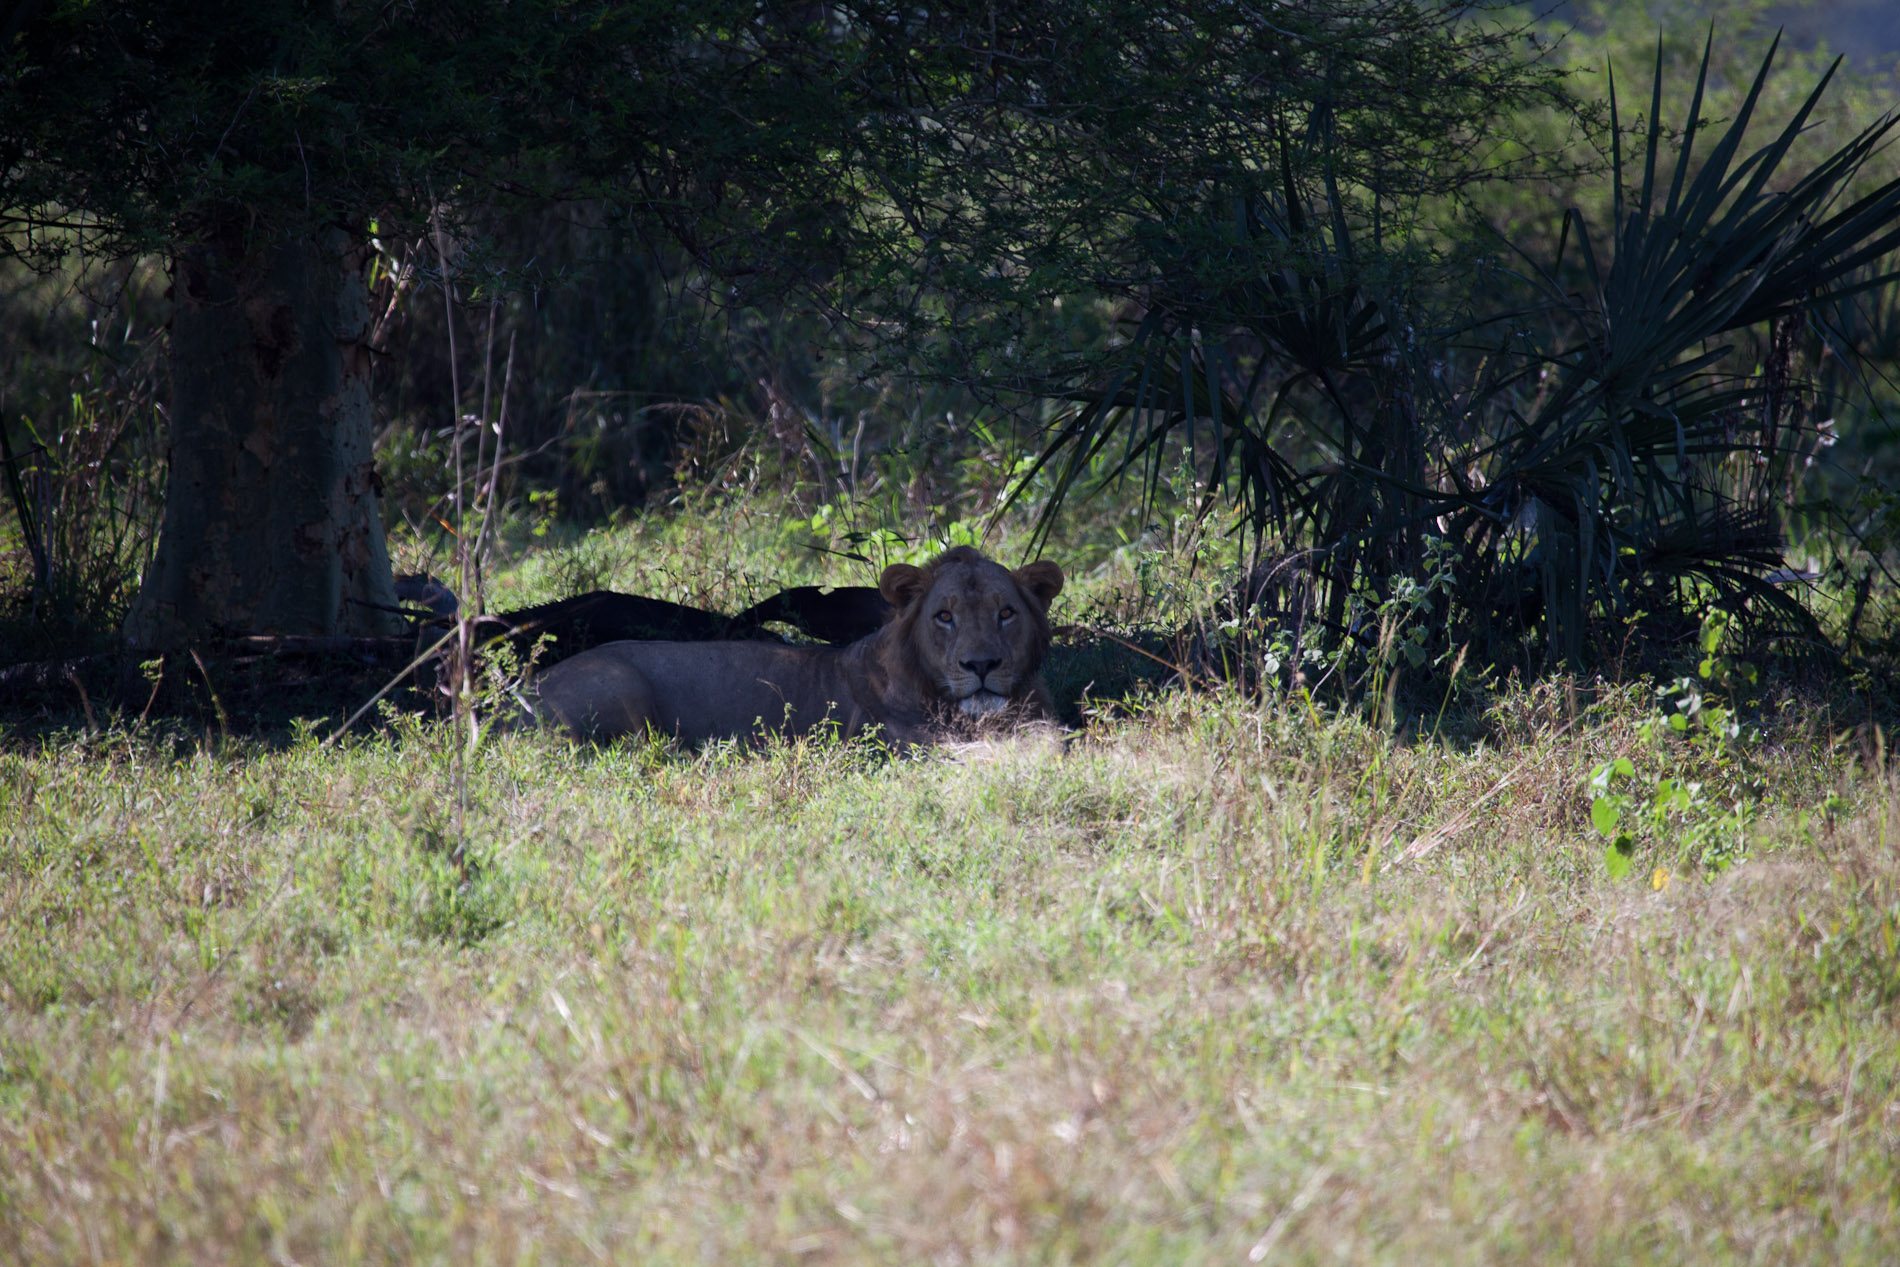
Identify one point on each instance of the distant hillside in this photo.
(1867, 31)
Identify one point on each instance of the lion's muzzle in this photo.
(982, 704)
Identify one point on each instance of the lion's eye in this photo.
(1008, 613)
(945, 618)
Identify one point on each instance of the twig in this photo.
(459, 678)
(1275, 1230)
(494, 473)
(21, 507)
(402, 276)
(158, 680)
(389, 686)
(337, 644)
(481, 448)
(224, 723)
(92, 723)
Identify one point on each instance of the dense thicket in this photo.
(898, 168)
(1561, 442)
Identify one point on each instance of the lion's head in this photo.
(973, 632)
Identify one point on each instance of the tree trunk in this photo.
(271, 522)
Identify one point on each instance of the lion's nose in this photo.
(981, 667)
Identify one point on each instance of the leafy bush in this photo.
(84, 499)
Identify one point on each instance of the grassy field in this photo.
(1214, 980)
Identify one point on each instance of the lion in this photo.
(965, 643)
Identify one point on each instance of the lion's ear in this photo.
(1041, 580)
(902, 584)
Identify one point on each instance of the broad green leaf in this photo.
(1617, 858)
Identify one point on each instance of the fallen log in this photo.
(372, 649)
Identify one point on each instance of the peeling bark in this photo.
(271, 521)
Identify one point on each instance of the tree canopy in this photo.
(870, 155)
(1252, 201)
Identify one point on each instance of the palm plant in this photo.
(1606, 444)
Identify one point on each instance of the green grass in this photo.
(1170, 995)
(727, 551)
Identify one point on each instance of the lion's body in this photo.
(966, 640)
(696, 691)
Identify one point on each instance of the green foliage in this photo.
(1598, 448)
(83, 501)
(461, 905)
(1699, 791)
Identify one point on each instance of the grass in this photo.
(1170, 995)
